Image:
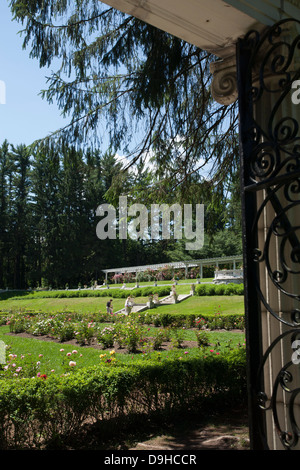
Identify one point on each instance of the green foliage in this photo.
(130, 335)
(47, 408)
(158, 339)
(84, 332)
(68, 294)
(177, 337)
(37, 412)
(116, 69)
(106, 336)
(211, 321)
(125, 72)
(202, 338)
(219, 289)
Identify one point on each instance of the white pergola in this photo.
(178, 265)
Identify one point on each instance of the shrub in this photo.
(64, 331)
(39, 413)
(202, 339)
(84, 332)
(130, 335)
(18, 323)
(106, 336)
(158, 339)
(116, 293)
(219, 289)
(177, 337)
(212, 321)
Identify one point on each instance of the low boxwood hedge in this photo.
(200, 289)
(219, 289)
(111, 292)
(42, 412)
(227, 321)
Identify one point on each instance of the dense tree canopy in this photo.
(133, 88)
(48, 220)
(127, 89)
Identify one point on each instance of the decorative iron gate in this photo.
(268, 67)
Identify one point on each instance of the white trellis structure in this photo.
(232, 260)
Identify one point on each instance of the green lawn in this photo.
(206, 305)
(50, 356)
(53, 355)
(47, 352)
(195, 305)
(80, 305)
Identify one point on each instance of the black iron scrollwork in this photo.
(277, 141)
(285, 381)
(270, 135)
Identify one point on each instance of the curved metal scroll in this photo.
(284, 382)
(268, 67)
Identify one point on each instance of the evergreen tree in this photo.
(144, 84)
(20, 214)
(46, 210)
(6, 172)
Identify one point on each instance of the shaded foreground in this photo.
(218, 430)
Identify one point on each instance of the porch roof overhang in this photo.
(212, 25)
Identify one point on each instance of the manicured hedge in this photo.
(200, 289)
(219, 289)
(42, 413)
(111, 292)
(190, 320)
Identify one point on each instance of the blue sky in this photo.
(25, 116)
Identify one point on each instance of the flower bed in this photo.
(127, 332)
(42, 406)
(207, 321)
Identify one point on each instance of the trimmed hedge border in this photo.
(45, 413)
(219, 289)
(114, 293)
(227, 321)
(200, 289)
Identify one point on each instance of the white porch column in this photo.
(278, 235)
(276, 140)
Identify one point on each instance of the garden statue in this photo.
(174, 293)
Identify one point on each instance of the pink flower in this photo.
(72, 364)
